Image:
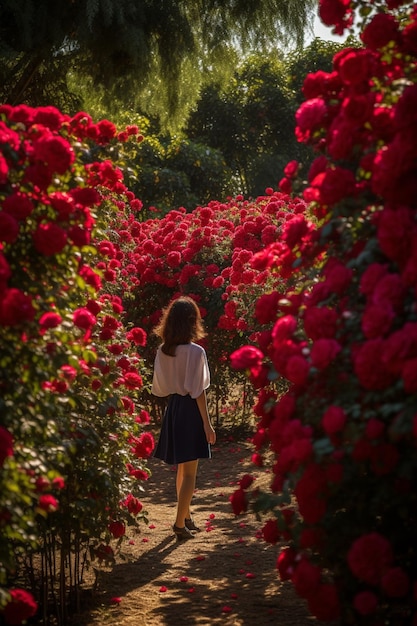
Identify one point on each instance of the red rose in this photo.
(246, 357)
(56, 152)
(341, 138)
(395, 233)
(306, 578)
(132, 380)
(9, 228)
(79, 236)
(371, 276)
(356, 66)
(246, 481)
(50, 320)
(297, 370)
(238, 501)
(381, 30)
(399, 347)
(394, 175)
(143, 417)
(266, 307)
(335, 13)
(310, 116)
(369, 556)
(377, 320)
(324, 603)
(286, 563)
(6, 445)
(16, 308)
(4, 170)
(395, 582)
(334, 185)
(311, 491)
(409, 273)
(19, 205)
(48, 503)
(49, 239)
(49, 116)
(117, 529)
(374, 428)
(106, 131)
(139, 474)
(334, 420)
(291, 169)
(104, 553)
(320, 322)
(143, 445)
(86, 196)
(294, 230)
(270, 531)
(338, 276)
(365, 602)
(409, 375)
(409, 37)
(323, 352)
(83, 318)
(133, 505)
(21, 607)
(369, 366)
(173, 258)
(284, 329)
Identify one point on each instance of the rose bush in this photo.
(70, 372)
(342, 438)
(206, 253)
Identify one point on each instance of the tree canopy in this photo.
(128, 48)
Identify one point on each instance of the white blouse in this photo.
(185, 373)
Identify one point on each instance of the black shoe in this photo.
(189, 523)
(183, 534)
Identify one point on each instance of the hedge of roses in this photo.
(343, 437)
(206, 253)
(72, 446)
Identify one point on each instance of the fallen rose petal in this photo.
(250, 575)
(226, 609)
(163, 589)
(115, 600)
(191, 590)
(200, 558)
(183, 579)
(145, 540)
(151, 526)
(212, 516)
(234, 596)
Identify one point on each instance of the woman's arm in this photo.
(208, 428)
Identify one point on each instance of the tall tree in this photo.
(130, 47)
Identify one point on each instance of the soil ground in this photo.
(226, 575)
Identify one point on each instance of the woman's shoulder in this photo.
(192, 347)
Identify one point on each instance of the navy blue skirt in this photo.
(182, 437)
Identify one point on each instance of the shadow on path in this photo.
(226, 575)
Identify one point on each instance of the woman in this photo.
(181, 372)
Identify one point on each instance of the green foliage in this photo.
(250, 120)
(137, 52)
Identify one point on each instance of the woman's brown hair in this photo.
(180, 323)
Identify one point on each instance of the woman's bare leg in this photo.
(185, 483)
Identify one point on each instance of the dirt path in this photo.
(225, 576)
